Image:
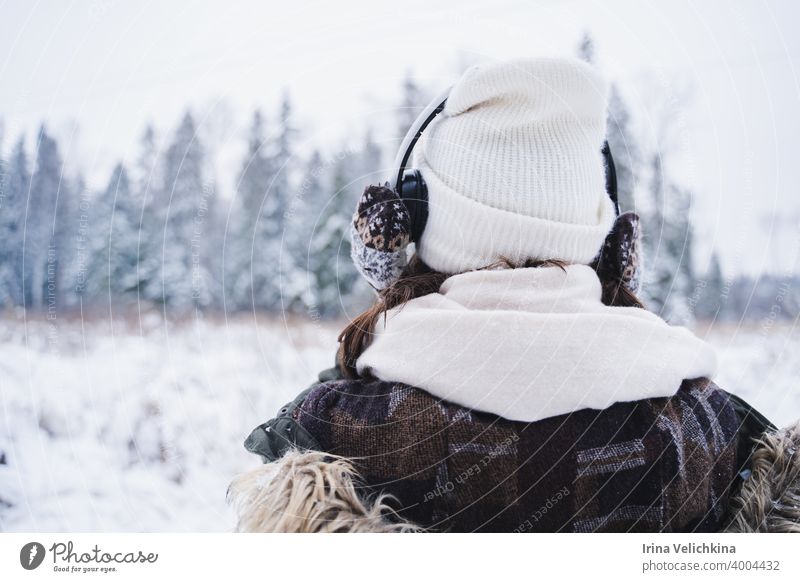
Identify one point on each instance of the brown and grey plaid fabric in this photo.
(654, 465)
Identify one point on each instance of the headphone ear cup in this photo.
(414, 193)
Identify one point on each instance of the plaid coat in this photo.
(663, 464)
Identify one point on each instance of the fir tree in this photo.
(586, 49)
(712, 298)
(303, 219)
(16, 180)
(329, 250)
(7, 226)
(250, 281)
(148, 199)
(282, 156)
(410, 105)
(184, 202)
(371, 170)
(146, 176)
(115, 241)
(620, 135)
(71, 235)
(668, 239)
(264, 194)
(40, 257)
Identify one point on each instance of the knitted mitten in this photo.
(620, 259)
(380, 233)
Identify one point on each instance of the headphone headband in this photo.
(434, 108)
(413, 134)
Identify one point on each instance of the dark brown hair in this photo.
(418, 280)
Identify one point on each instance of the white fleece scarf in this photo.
(528, 344)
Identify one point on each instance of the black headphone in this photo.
(411, 188)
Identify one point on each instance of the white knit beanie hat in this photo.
(514, 167)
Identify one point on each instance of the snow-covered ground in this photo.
(761, 363)
(140, 428)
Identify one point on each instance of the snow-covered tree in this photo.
(183, 204)
(112, 273)
(664, 207)
(370, 169)
(299, 268)
(40, 257)
(71, 240)
(250, 280)
(668, 240)
(7, 230)
(254, 261)
(411, 104)
(283, 155)
(711, 296)
(586, 50)
(146, 185)
(329, 249)
(16, 180)
(146, 175)
(622, 139)
(8, 224)
(51, 227)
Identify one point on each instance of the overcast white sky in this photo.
(98, 71)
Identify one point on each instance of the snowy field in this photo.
(140, 428)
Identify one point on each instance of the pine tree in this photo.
(40, 257)
(184, 203)
(146, 174)
(658, 275)
(668, 241)
(11, 217)
(712, 299)
(302, 223)
(586, 50)
(667, 231)
(52, 228)
(256, 265)
(6, 263)
(283, 155)
(249, 280)
(410, 105)
(620, 135)
(71, 240)
(335, 276)
(681, 245)
(115, 240)
(278, 261)
(148, 200)
(370, 168)
(19, 181)
(212, 230)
